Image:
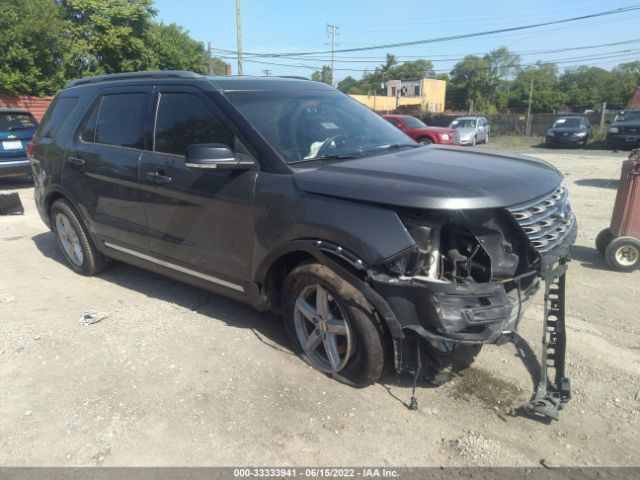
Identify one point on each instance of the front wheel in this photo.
(623, 254)
(332, 326)
(473, 142)
(425, 141)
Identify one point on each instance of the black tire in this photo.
(366, 361)
(623, 254)
(92, 261)
(603, 239)
(425, 141)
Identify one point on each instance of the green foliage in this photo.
(474, 83)
(46, 43)
(30, 57)
(171, 48)
(547, 95)
(351, 85)
(325, 75)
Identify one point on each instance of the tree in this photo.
(625, 78)
(503, 64)
(324, 75)
(472, 82)
(547, 95)
(106, 36)
(586, 87)
(350, 85)
(30, 57)
(171, 48)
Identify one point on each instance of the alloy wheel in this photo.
(69, 239)
(323, 328)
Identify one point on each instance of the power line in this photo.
(451, 37)
(604, 56)
(455, 59)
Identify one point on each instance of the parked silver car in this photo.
(470, 130)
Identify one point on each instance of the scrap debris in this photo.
(92, 316)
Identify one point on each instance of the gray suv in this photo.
(290, 196)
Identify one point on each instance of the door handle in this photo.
(76, 161)
(158, 178)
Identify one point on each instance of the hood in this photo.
(567, 130)
(434, 178)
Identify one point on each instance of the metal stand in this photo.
(550, 397)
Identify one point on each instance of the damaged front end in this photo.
(469, 278)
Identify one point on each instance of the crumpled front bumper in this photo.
(467, 314)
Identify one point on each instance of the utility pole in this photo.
(239, 36)
(528, 128)
(332, 31)
(604, 110)
(267, 72)
(209, 66)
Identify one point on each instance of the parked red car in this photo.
(420, 131)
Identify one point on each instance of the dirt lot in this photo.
(179, 376)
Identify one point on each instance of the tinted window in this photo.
(121, 120)
(11, 121)
(56, 116)
(87, 131)
(184, 120)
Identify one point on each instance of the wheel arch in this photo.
(272, 271)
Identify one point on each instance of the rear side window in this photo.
(11, 121)
(184, 120)
(57, 114)
(87, 132)
(121, 119)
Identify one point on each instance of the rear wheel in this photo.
(73, 239)
(603, 239)
(623, 254)
(332, 326)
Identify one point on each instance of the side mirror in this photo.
(214, 156)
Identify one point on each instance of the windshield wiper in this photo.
(335, 156)
(387, 148)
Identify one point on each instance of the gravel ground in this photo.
(178, 376)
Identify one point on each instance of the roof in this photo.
(222, 82)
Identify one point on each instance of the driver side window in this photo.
(183, 120)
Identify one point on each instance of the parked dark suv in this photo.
(290, 196)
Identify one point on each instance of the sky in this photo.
(287, 26)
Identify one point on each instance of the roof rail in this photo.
(134, 76)
(295, 77)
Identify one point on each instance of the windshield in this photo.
(10, 121)
(627, 116)
(569, 123)
(313, 124)
(463, 123)
(413, 122)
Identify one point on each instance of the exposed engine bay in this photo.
(471, 276)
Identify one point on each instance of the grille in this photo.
(630, 130)
(546, 222)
